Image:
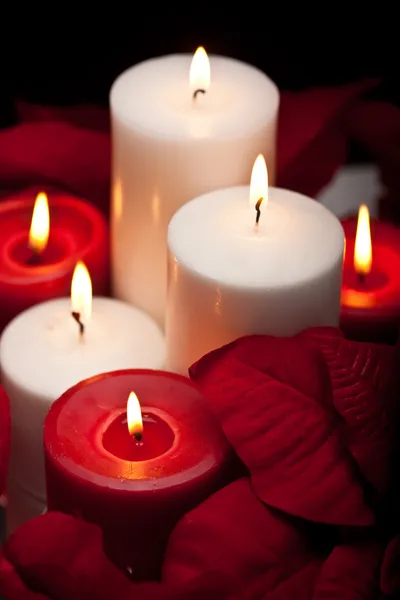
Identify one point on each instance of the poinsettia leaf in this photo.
(366, 390)
(273, 399)
(4, 438)
(298, 586)
(350, 573)
(234, 533)
(390, 570)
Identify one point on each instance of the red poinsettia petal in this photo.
(350, 573)
(273, 399)
(12, 586)
(4, 438)
(62, 557)
(366, 388)
(298, 586)
(235, 534)
(390, 571)
(208, 586)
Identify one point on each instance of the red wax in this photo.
(78, 231)
(156, 439)
(370, 308)
(135, 492)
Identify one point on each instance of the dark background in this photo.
(73, 55)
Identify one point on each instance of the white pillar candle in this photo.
(42, 354)
(229, 277)
(168, 147)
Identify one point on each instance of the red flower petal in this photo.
(12, 586)
(4, 438)
(366, 391)
(235, 534)
(298, 586)
(273, 399)
(63, 558)
(350, 573)
(390, 571)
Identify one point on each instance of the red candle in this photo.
(133, 469)
(40, 244)
(370, 304)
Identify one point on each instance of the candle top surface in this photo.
(155, 97)
(76, 423)
(76, 227)
(42, 352)
(377, 296)
(295, 241)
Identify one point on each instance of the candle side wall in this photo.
(151, 180)
(203, 315)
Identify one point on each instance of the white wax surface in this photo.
(229, 277)
(167, 149)
(42, 355)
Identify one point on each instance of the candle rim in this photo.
(268, 109)
(244, 190)
(217, 448)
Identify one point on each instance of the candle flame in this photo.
(40, 224)
(199, 74)
(259, 183)
(134, 416)
(363, 244)
(81, 293)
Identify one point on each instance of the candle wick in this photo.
(199, 91)
(77, 317)
(34, 259)
(138, 436)
(361, 277)
(258, 211)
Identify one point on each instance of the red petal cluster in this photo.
(313, 420)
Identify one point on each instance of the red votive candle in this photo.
(370, 302)
(135, 476)
(38, 253)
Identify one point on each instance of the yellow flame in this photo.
(81, 292)
(134, 415)
(199, 74)
(259, 182)
(40, 224)
(363, 244)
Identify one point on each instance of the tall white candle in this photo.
(168, 147)
(42, 354)
(229, 277)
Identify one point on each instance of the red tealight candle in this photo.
(133, 470)
(40, 246)
(370, 303)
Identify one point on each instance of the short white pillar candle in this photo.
(43, 353)
(229, 276)
(169, 146)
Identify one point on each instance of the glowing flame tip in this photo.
(40, 224)
(81, 292)
(363, 243)
(259, 183)
(200, 74)
(134, 416)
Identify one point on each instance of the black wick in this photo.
(138, 436)
(77, 317)
(199, 91)
(34, 259)
(258, 211)
(361, 277)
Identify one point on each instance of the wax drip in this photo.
(199, 91)
(258, 211)
(77, 317)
